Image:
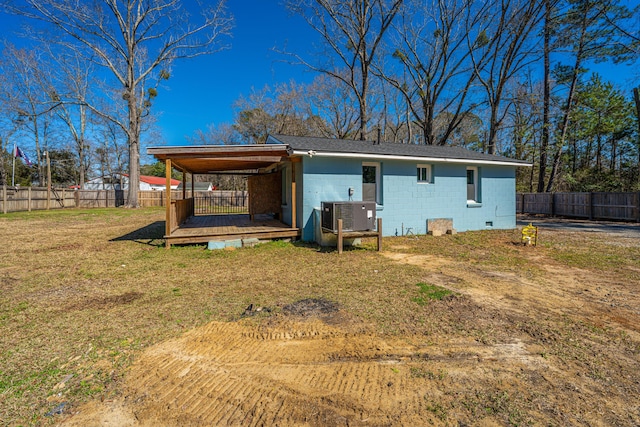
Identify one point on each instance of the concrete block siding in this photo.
(406, 202)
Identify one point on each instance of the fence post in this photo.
(638, 206)
(76, 198)
(4, 199)
(590, 205)
(29, 199)
(552, 203)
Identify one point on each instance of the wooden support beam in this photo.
(341, 235)
(48, 180)
(294, 203)
(184, 185)
(167, 201)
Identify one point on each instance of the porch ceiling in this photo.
(219, 158)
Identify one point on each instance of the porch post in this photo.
(293, 196)
(167, 201)
(184, 185)
(193, 194)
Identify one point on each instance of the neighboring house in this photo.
(409, 183)
(199, 186)
(112, 182)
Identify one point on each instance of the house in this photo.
(290, 177)
(113, 182)
(198, 186)
(409, 183)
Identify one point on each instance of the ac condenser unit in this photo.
(355, 216)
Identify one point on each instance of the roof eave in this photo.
(311, 153)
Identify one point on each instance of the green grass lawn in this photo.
(83, 292)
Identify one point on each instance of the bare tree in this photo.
(222, 134)
(525, 123)
(548, 23)
(352, 31)
(436, 73)
(73, 81)
(136, 41)
(110, 150)
(334, 103)
(24, 95)
(508, 50)
(283, 109)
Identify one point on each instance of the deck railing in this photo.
(221, 202)
(180, 211)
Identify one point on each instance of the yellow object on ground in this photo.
(530, 235)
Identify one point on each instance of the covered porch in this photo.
(264, 164)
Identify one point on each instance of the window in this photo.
(424, 174)
(472, 185)
(371, 182)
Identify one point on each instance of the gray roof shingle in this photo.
(328, 145)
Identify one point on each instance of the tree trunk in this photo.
(599, 152)
(410, 129)
(544, 143)
(429, 138)
(81, 174)
(636, 97)
(580, 53)
(493, 130)
(134, 173)
(364, 92)
(133, 140)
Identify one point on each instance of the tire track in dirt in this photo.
(287, 373)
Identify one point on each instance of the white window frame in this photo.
(475, 184)
(429, 179)
(378, 181)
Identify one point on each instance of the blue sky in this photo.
(202, 90)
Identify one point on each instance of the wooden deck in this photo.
(204, 228)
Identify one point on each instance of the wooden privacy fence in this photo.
(20, 199)
(17, 199)
(601, 205)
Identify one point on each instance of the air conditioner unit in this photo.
(355, 216)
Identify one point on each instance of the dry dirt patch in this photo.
(592, 296)
(287, 371)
